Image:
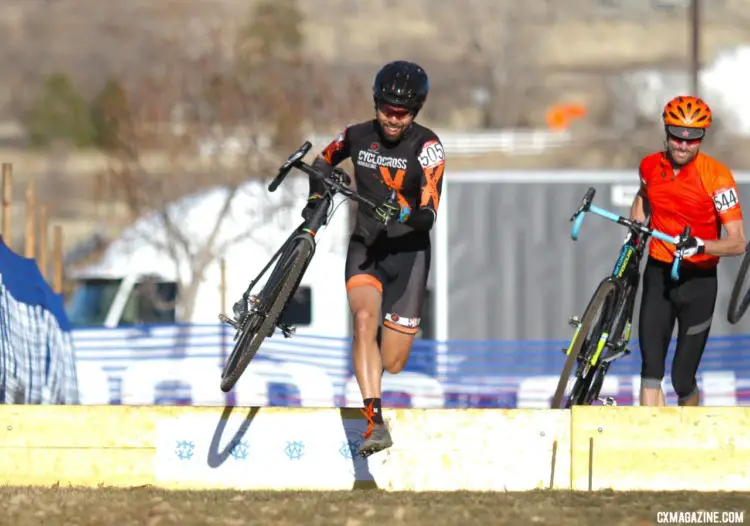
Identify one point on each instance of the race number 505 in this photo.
(431, 154)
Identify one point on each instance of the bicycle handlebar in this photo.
(637, 226)
(338, 180)
(291, 161)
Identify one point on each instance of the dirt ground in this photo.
(151, 507)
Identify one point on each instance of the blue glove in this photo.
(386, 211)
(404, 214)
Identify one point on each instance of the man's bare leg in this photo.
(651, 395)
(365, 302)
(396, 347)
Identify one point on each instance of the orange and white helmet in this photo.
(687, 117)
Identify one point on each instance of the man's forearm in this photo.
(730, 246)
(637, 209)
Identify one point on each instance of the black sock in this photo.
(376, 408)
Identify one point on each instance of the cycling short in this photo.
(690, 302)
(398, 268)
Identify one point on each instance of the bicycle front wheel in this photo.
(740, 298)
(601, 308)
(274, 297)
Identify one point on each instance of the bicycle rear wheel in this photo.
(740, 298)
(603, 302)
(274, 298)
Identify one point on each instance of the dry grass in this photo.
(151, 507)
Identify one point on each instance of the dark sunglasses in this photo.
(689, 135)
(394, 111)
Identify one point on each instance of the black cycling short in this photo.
(398, 268)
(690, 302)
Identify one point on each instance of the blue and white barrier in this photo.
(182, 365)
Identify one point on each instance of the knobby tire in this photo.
(739, 302)
(598, 303)
(251, 339)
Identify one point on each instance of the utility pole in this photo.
(695, 33)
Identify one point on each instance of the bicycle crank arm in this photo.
(226, 319)
(616, 356)
(251, 307)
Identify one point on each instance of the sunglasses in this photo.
(689, 135)
(683, 139)
(394, 111)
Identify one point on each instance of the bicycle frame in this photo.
(299, 232)
(307, 229)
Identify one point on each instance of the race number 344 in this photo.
(725, 199)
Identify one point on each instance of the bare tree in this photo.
(208, 122)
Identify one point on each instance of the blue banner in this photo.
(181, 364)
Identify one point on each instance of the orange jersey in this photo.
(703, 196)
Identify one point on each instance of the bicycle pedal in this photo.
(226, 319)
(608, 401)
(288, 330)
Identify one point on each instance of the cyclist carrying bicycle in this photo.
(680, 187)
(387, 269)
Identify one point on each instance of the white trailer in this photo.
(138, 277)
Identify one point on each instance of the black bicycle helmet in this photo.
(401, 83)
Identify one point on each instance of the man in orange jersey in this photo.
(681, 187)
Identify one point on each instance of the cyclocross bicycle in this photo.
(739, 300)
(265, 309)
(602, 335)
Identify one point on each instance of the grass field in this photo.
(152, 507)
